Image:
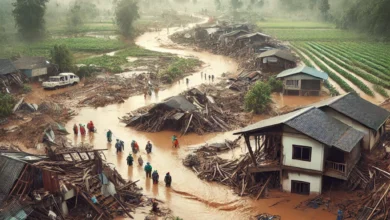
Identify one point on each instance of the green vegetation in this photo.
(61, 55)
(178, 68)
(276, 84)
(331, 74)
(314, 34)
(29, 18)
(113, 63)
(284, 24)
(7, 103)
(342, 72)
(78, 44)
(26, 88)
(258, 97)
(126, 13)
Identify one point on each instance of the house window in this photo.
(300, 187)
(301, 153)
(292, 83)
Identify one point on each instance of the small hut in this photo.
(302, 80)
(276, 60)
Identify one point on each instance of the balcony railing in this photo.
(342, 168)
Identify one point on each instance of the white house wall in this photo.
(317, 151)
(367, 132)
(39, 72)
(314, 180)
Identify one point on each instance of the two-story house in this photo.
(308, 144)
(358, 113)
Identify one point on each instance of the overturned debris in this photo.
(233, 173)
(59, 184)
(192, 111)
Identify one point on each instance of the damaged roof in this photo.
(178, 102)
(9, 172)
(305, 70)
(233, 33)
(31, 63)
(357, 108)
(279, 53)
(315, 124)
(253, 34)
(6, 67)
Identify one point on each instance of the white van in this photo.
(62, 80)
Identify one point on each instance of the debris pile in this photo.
(266, 216)
(64, 182)
(192, 111)
(233, 173)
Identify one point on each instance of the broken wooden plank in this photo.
(262, 189)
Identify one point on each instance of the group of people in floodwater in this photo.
(120, 146)
(90, 126)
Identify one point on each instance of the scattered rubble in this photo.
(192, 111)
(234, 173)
(266, 216)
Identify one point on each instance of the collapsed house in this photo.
(70, 183)
(303, 146)
(192, 111)
(228, 38)
(302, 80)
(276, 60)
(9, 75)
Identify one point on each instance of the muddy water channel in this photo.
(189, 197)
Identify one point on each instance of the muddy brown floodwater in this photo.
(189, 197)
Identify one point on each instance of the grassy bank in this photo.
(178, 68)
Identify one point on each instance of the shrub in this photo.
(26, 88)
(276, 84)
(258, 97)
(86, 71)
(7, 103)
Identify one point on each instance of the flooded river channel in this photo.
(190, 198)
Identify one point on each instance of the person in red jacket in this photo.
(82, 129)
(75, 129)
(91, 127)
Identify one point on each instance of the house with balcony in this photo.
(303, 147)
(302, 81)
(360, 114)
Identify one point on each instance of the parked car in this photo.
(62, 80)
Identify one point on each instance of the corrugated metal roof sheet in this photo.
(357, 108)
(315, 124)
(9, 172)
(6, 67)
(279, 53)
(31, 63)
(305, 70)
(252, 35)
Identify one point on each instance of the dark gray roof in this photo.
(357, 108)
(233, 33)
(178, 102)
(252, 35)
(9, 172)
(279, 53)
(305, 70)
(31, 63)
(315, 124)
(6, 67)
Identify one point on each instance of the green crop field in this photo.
(349, 58)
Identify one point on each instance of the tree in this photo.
(7, 103)
(75, 20)
(29, 19)
(236, 4)
(324, 7)
(62, 56)
(126, 14)
(258, 97)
